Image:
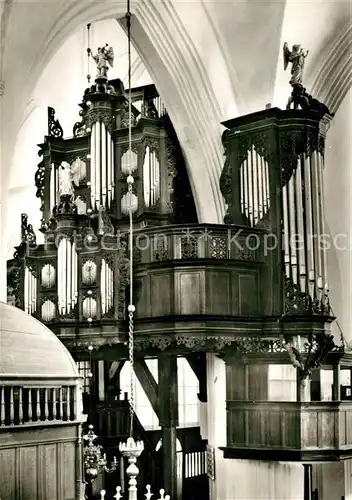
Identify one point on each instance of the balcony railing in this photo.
(289, 425)
(33, 404)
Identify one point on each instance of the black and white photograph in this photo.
(175, 250)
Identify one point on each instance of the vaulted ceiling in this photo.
(210, 60)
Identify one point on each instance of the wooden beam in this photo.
(198, 363)
(148, 383)
(168, 401)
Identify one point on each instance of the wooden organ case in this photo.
(253, 290)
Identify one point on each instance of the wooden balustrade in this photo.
(112, 419)
(289, 425)
(22, 405)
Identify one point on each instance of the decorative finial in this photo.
(148, 495)
(118, 493)
(54, 127)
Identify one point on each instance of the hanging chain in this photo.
(130, 180)
(88, 52)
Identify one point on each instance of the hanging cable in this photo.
(88, 52)
(130, 180)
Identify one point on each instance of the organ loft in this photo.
(118, 216)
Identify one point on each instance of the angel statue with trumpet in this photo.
(103, 58)
(297, 58)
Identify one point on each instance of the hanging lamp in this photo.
(131, 449)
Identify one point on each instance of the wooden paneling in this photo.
(161, 287)
(218, 295)
(29, 461)
(190, 292)
(69, 471)
(248, 294)
(195, 290)
(49, 470)
(303, 426)
(258, 382)
(39, 464)
(8, 473)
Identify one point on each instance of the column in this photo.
(336, 388)
(168, 417)
(308, 493)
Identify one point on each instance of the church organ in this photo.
(254, 290)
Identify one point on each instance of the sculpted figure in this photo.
(104, 58)
(65, 179)
(297, 57)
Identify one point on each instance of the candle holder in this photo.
(132, 450)
(94, 461)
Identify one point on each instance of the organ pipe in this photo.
(107, 296)
(151, 178)
(67, 276)
(102, 166)
(30, 292)
(254, 186)
(303, 223)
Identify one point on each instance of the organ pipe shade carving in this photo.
(48, 276)
(254, 182)
(303, 227)
(151, 178)
(89, 273)
(48, 310)
(107, 287)
(89, 308)
(67, 276)
(101, 167)
(30, 291)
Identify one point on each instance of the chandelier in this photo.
(131, 449)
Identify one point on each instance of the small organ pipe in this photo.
(97, 163)
(317, 217)
(309, 224)
(293, 230)
(260, 187)
(92, 167)
(103, 164)
(300, 228)
(68, 275)
(52, 188)
(109, 168)
(246, 190)
(112, 170)
(251, 185)
(322, 221)
(286, 232)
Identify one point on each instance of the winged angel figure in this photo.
(104, 58)
(297, 58)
